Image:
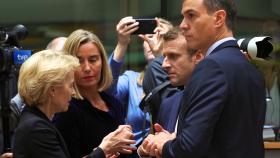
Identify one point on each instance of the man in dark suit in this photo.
(223, 106)
(178, 63)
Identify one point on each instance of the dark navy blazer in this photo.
(222, 110)
(168, 112)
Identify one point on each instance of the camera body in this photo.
(11, 57)
(256, 47)
(11, 54)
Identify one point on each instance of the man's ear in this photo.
(198, 57)
(220, 18)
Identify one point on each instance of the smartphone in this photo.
(146, 26)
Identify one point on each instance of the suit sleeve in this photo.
(97, 153)
(201, 106)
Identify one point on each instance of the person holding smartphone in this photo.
(128, 86)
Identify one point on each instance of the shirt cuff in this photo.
(97, 153)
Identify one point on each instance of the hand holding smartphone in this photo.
(146, 26)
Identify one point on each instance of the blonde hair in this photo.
(71, 46)
(166, 22)
(41, 71)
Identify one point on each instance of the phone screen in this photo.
(146, 26)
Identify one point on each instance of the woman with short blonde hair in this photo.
(46, 85)
(51, 69)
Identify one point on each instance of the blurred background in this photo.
(46, 19)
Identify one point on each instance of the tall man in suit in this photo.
(223, 105)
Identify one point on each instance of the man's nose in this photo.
(165, 64)
(184, 25)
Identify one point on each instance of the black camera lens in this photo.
(256, 47)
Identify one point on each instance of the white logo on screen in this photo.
(22, 57)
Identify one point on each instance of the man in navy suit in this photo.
(179, 63)
(223, 105)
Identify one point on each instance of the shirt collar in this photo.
(217, 43)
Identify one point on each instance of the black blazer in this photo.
(37, 137)
(222, 110)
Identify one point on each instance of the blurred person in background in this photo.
(127, 87)
(57, 43)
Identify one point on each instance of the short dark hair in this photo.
(173, 34)
(227, 5)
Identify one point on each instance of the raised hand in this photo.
(160, 138)
(153, 144)
(124, 28)
(154, 42)
(118, 141)
(6, 155)
(145, 148)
